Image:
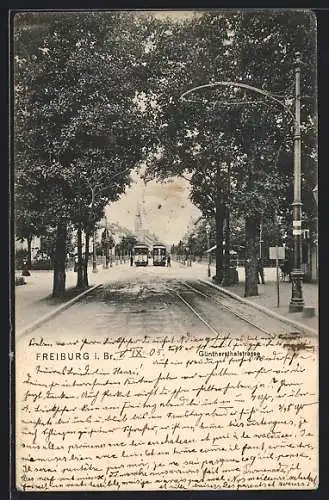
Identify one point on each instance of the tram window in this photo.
(140, 251)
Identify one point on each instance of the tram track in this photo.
(237, 310)
(231, 310)
(195, 312)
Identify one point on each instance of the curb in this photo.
(291, 322)
(51, 314)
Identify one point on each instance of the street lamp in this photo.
(297, 301)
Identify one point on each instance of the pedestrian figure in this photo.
(260, 271)
(286, 269)
(168, 261)
(25, 271)
(131, 259)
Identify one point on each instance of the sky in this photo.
(166, 209)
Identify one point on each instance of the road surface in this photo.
(157, 301)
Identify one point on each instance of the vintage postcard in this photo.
(166, 250)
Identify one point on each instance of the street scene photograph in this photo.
(165, 267)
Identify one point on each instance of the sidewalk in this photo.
(33, 300)
(267, 295)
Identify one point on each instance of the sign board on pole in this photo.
(277, 253)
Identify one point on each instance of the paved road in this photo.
(155, 300)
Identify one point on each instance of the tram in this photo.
(159, 254)
(141, 254)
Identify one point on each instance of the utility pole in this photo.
(297, 301)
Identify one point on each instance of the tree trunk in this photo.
(227, 275)
(219, 240)
(85, 264)
(29, 252)
(80, 281)
(219, 227)
(251, 287)
(59, 261)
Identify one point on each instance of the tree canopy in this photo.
(76, 127)
(98, 93)
(221, 125)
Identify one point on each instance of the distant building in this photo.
(140, 232)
